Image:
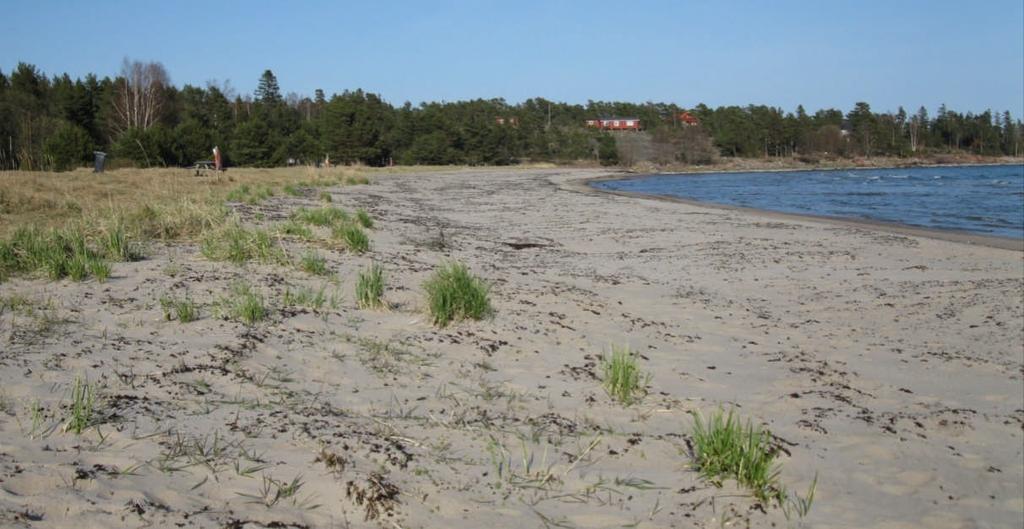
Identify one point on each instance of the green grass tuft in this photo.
(370, 287)
(56, 254)
(250, 194)
(326, 197)
(325, 216)
(295, 228)
(454, 294)
(239, 245)
(309, 298)
(99, 269)
(313, 263)
(353, 237)
(82, 412)
(621, 376)
(117, 245)
(244, 304)
(184, 310)
(724, 447)
(364, 218)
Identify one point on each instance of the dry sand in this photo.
(890, 365)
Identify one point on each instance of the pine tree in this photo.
(268, 92)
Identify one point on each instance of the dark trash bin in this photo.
(100, 159)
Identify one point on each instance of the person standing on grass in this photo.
(216, 159)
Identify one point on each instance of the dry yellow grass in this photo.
(48, 199)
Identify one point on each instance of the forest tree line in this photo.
(140, 118)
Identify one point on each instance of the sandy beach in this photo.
(888, 365)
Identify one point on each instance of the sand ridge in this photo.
(888, 365)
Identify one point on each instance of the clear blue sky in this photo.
(969, 55)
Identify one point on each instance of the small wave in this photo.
(899, 176)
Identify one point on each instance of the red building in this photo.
(688, 118)
(614, 123)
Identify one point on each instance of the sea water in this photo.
(986, 200)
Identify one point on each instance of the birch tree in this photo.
(139, 95)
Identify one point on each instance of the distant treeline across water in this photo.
(987, 200)
(140, 118)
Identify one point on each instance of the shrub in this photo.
(353, 237)
(370, 287)
(621, 376)
(69, 147)
(454, 294)
(726, 448)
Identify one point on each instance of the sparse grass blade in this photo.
(454, 294)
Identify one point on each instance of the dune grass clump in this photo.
(724, 447)
(621, 376)
(55, 253)
(313, 263)
(353, 237)
(244, 304)
(370, 287)
(184, 310)
(325, 216)
(453, 294)
(326, 197)
(239, 245)
(364, 218)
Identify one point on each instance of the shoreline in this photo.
(991, 241)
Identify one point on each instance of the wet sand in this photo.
(888, 364)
